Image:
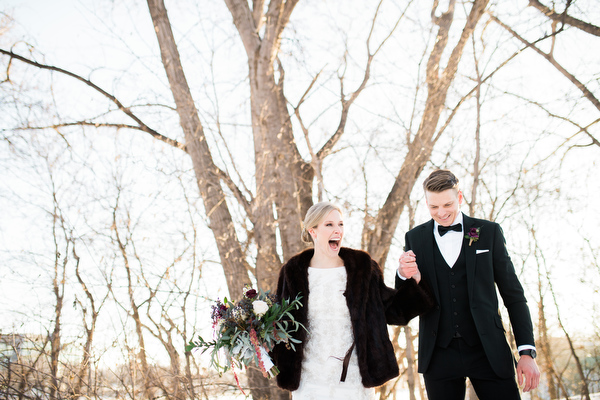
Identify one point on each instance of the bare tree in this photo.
(421, 145)
(145, 370)
(58, 286)
(89, 318)
(550, 57)
(254, 223)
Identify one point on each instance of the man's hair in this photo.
(440, 180)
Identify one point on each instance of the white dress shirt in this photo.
(450, 244)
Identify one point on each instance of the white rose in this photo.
(260, 307)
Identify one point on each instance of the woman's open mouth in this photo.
(334, 244)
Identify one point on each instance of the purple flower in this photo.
(251, 293)
(218, 312)
(473, 235)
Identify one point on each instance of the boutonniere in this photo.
(473, 235)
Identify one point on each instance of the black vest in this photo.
(455, 318)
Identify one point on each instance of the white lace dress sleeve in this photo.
(329, 339)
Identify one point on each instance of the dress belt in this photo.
(346, 362)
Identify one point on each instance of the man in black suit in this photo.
(463, 260)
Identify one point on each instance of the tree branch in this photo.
(565, 18)
(586, 92)
(328, 146)
(243, 20)
(247, 205)
(126, 110)
(581, 129)
(155, 134)
(278, 15)
(257, 13)
(455, 109)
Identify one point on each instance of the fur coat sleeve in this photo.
(372, 306)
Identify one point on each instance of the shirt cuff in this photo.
(400, 276)
(525, 347)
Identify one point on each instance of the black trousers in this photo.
(445, 378)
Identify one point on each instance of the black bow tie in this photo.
(443, 229)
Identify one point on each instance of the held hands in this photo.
(527, 371)
(408, 266)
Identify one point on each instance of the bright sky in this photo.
(61, 30)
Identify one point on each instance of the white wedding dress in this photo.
(329, 339)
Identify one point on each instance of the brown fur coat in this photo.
(372, 306)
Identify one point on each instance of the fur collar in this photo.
(358, 269)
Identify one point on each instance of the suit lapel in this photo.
(470, 253)
(428, 263)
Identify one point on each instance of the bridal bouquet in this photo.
(245, 330)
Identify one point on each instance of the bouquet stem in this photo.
(266, 364)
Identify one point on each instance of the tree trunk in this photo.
(545, 350)
(176, 377)
(412, 375)
(147, 381)
(264, 389)
(89, 333)
(277, 160)
(585, 390)
(58, 285)
(476, 166)
(231, 254)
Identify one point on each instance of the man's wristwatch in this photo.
(528, 352)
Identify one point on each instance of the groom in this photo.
(463, 260)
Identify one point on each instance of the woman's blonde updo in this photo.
(314, 216)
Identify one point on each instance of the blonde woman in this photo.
(346, 310)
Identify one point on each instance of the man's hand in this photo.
(528, 371)
(408, 266)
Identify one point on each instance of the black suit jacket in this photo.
(488, 266)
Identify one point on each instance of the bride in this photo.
(346, 309)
